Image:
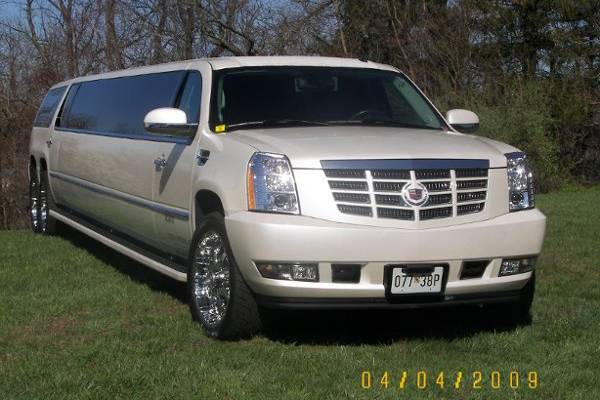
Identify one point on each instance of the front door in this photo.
(173, 177)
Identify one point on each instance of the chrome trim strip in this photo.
(121, 248)
(415, 164)
(152, 205)
(132, 136)
(172, 130)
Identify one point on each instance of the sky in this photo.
(9, 8)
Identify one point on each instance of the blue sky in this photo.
(9, 8)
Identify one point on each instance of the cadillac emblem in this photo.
(415, 193)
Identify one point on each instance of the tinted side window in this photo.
(191, 96)
(48, 108)
(62, 116)
(119, 105)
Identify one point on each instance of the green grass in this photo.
(78, 320)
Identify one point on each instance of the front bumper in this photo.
(354, 303)
(257, 237)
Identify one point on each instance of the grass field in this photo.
(78, 320)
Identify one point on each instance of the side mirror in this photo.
(463, 120)
(169, 121)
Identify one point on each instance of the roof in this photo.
(316, 61)
(237, 62)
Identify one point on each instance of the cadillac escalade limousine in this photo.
(288, 182)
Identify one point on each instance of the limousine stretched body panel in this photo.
(288, 182)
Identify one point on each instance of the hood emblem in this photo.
(415, 193)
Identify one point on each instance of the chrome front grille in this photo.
(349, 185)
(355, 210)
(344, 197)
(381, 193)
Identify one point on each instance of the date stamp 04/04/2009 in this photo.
(454, 380)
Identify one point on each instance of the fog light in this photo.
(514, 266)
(290, 272)
(305, 272)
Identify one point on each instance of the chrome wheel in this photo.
(211, 279)
(43, 207)
(34, 204)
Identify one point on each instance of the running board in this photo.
(121, 248)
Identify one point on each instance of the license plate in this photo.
(407, 280)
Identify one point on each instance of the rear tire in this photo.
(34, 201)
(47, 223)
(218, 296)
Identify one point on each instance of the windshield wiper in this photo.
(380, 122)
(270, 123)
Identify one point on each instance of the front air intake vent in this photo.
(437, 186)
(470, 196)
(469, 208)
(432, 174)
(473, 269)
(345, 197)
(471, 173)
(345, 173)
(388, 186)
(345, 273)
(439, 199)
(348, 185)
(476, 184)
(395, 213)
(390, 174)
(432, 213)
(389, 200)
(355, 210)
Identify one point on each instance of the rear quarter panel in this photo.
(41, 136)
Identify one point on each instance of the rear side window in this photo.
(43, 119)
(119, 105)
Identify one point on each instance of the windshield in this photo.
(245, 98)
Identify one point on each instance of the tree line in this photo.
(529, 68)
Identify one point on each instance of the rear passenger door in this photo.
(173, 181)
(105, 164)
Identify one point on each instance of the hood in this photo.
(307, 146)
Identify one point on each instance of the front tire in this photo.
(219, 298)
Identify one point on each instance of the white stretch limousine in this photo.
(288, 182)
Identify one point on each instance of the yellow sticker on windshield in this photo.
(220, 128)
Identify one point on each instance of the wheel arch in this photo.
(205, 202)
(43, 164)
(33, 169)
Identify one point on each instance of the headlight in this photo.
(271, 185)
(520, 182)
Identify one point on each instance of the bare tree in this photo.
(186, 27)
(113, 53)
(460, 52)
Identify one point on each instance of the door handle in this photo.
(160, 162)
(202, 156)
